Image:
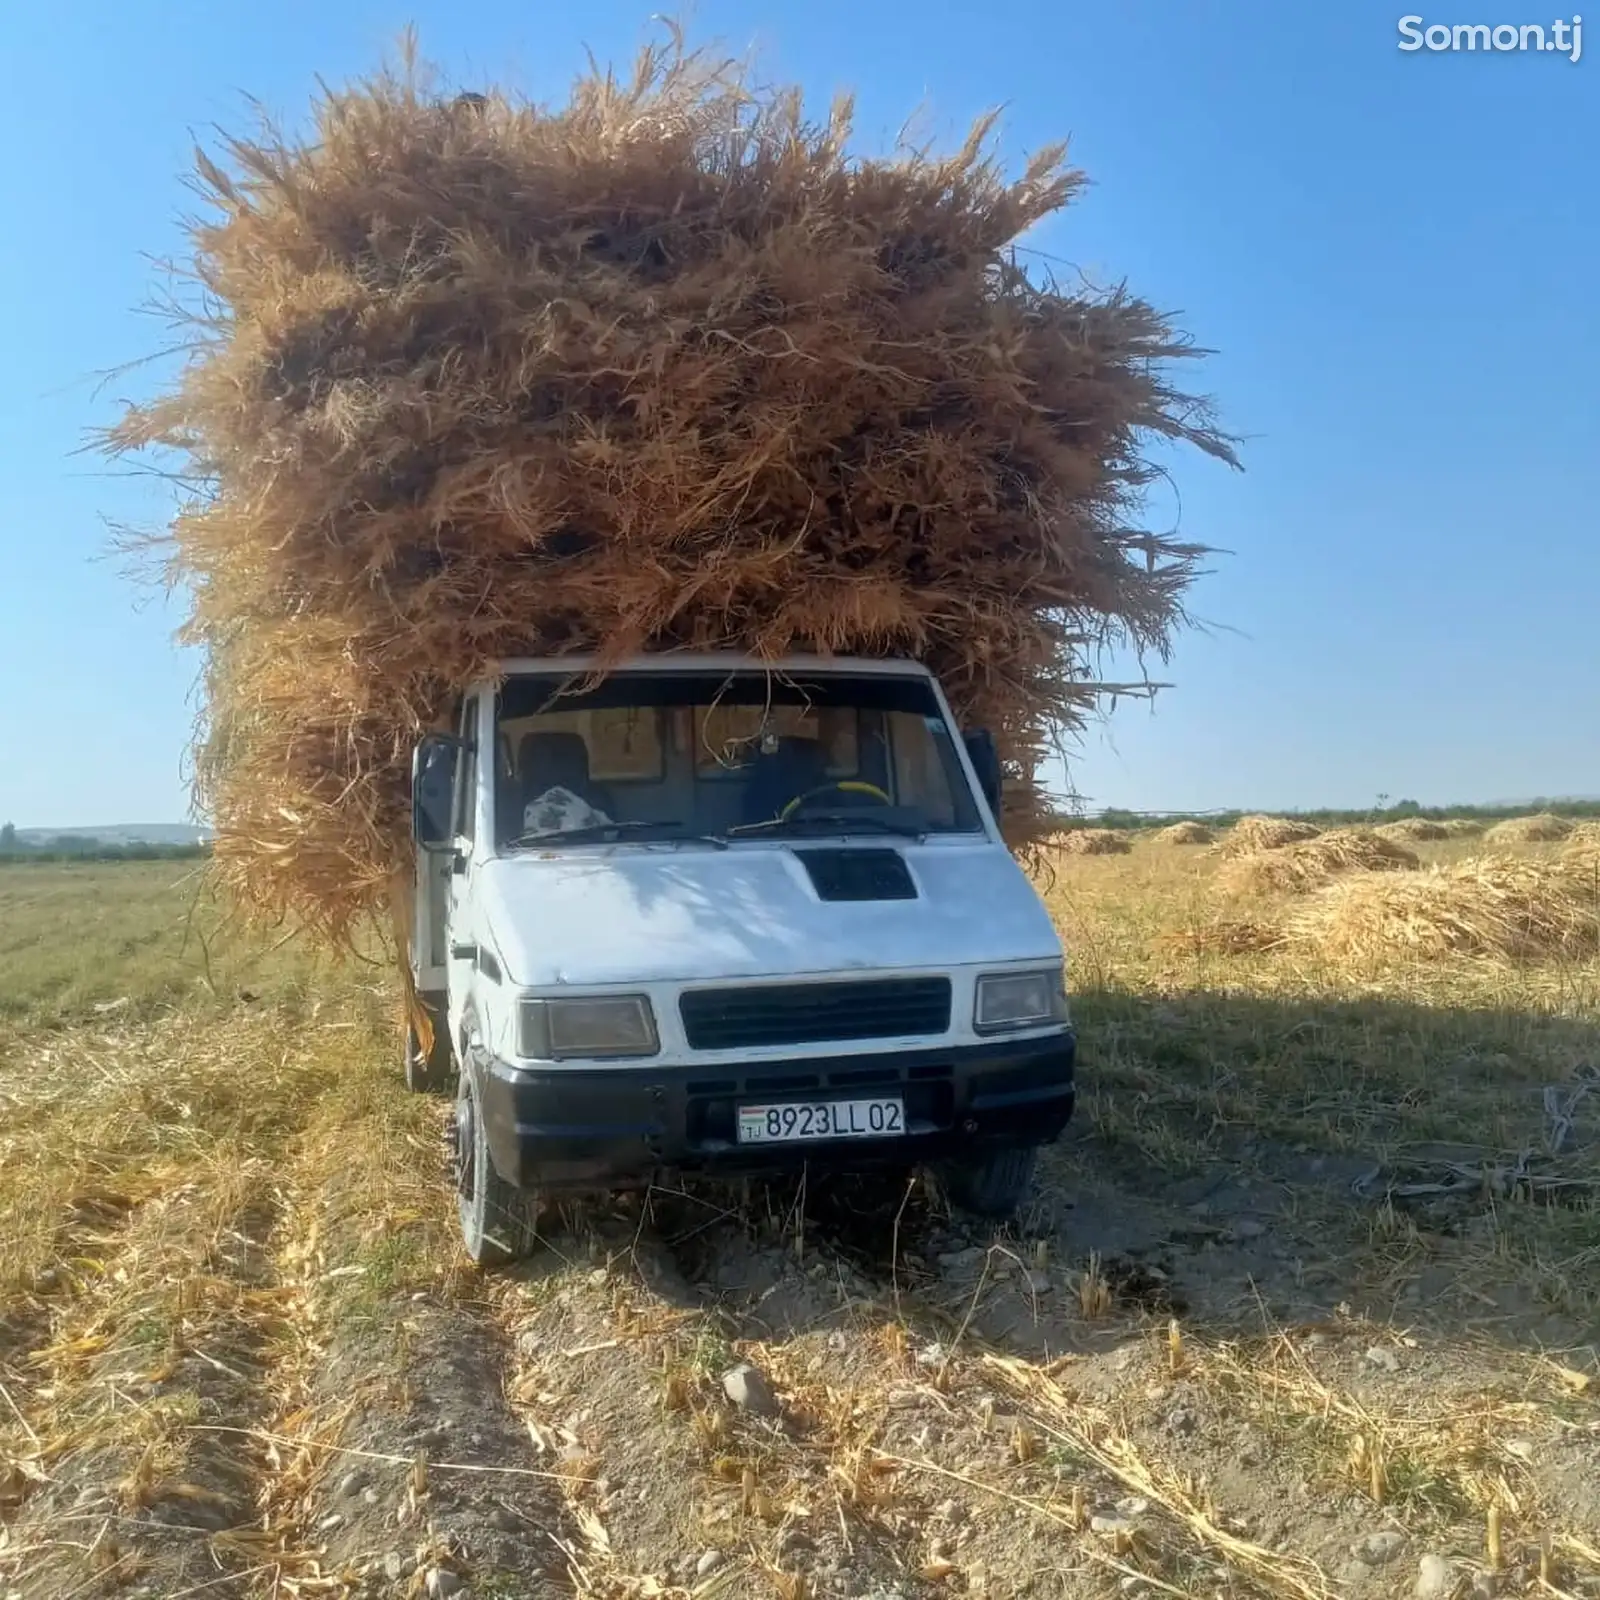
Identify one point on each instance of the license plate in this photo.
(822, 1119)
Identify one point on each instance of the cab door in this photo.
(460, 935)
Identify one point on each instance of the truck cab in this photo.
(709, 914)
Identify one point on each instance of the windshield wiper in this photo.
(609, 832)
(840, 821)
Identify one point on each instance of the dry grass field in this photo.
(1308, 1305)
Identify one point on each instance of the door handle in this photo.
(463, 952)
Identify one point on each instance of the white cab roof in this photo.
(686, 662)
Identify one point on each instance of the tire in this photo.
(498, 1220)
(996, 1185)
(434, 1072)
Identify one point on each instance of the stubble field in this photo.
(1308, 1303)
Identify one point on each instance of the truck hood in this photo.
(684, 913)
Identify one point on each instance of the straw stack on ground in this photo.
(1300, 868)
(1089, 842)
(1581, 847)
(1184, 833)
(663, 369)
(1539, 829)
(1250, 834)
(1413, 830)
(1461, 827)
(1494, 907)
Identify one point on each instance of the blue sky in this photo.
(1393, 255)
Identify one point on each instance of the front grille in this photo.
(815, 1013)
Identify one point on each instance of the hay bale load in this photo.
(664, 368)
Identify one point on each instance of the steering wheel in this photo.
(848, 786)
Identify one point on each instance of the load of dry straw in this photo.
(1089, 842)
(1250, 834)
(663, 368)
(1300, 868)
(1461, 827)
(1485, 906)
(1539, 829)
(1413, 830)
(1189, 832)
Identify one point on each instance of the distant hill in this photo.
(120, 833)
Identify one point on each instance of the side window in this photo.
(467, 771)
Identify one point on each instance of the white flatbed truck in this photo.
(707, 913)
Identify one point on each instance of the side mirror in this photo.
(985, 761)
(433, 788)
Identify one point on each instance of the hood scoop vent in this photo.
(858, 874)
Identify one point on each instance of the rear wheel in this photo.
(498, 1220)
(430, 1071)
(994, 1185)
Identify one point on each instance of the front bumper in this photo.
(614, 1127)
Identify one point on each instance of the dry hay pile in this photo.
(1581, 847)
(1484, 906)
(662, 368)
(1251, 834)
(1300, 868)
(1413, 830)
(1184, 833)
(1540, 829)
(1089, 842)
(1461, 827)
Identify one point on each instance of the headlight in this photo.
(604, 1026)
(1019, 1000)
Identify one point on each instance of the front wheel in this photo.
(995, 1185)
(498, 1220)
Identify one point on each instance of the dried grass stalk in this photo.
(1539, 829)
(1224, 936)
(1300, 868)
(1250, 834)
(1485, 906)
(663, 368)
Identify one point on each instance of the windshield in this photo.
(723, 757)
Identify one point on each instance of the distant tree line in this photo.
(1113, 817)
(15, 850)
